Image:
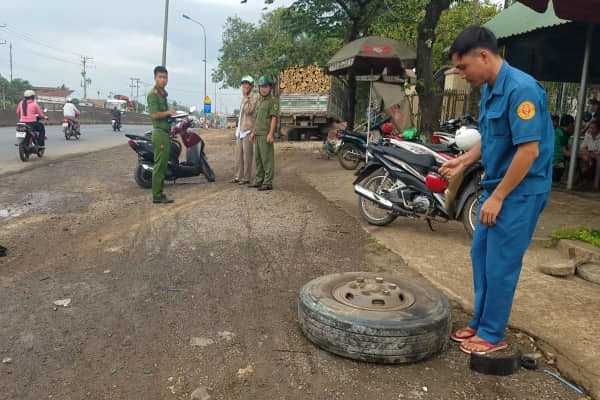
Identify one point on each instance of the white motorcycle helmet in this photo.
(69, 100)
(29, 93)
(248, 79)
(466, 138)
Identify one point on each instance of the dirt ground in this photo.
(166, 299)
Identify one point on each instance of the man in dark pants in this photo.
(158, 107)
(517, 143)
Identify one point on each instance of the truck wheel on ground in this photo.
(143, 177)
(349, 156)
(374, 317)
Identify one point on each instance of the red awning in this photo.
(573, 10)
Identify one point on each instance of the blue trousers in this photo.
(497, 254)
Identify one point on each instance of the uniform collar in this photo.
(162, 92)
(500, 78)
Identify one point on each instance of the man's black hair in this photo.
(566, 120)
(471, 38)
(555, 118)
(160, 69)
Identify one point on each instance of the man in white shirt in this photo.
(71, 112)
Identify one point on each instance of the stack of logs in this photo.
(304, 80)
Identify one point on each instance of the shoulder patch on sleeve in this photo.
(275, 106)
(526, 110)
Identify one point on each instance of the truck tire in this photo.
(347, 314)
(293, 135)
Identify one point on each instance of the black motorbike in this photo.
(398, 182)
(195, 165)
(352, 148)
(116, 124)
(28, 140)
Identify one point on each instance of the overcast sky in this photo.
(124, 38)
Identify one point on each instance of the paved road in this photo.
(93, 137)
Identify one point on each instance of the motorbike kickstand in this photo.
(430, 225)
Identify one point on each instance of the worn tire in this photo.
(142, 178)
(345, 163)
(389, 337)
(467, 216)
(67, 135)
(23, 155)
(41, 152)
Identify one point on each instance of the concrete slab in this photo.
(560, 312)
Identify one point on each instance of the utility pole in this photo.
(164, 53)
(11, 63)
(84, 61)
(475, 12)
(137, 90)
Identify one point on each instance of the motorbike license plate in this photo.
(65, 124)
(21, 135)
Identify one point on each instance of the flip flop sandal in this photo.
(489, 348)
(234, 181)
(460, 338)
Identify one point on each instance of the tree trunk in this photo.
(430, 99)
(352, 35)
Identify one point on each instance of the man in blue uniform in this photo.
(517, 143)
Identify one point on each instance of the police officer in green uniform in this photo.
(263, 135)
(161, 138)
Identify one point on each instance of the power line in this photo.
(28, 37)
(85, 81)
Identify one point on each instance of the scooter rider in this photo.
(27, 110)
(116, 114)
(71, 112)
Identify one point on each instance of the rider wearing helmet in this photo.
(71, 112)
(28, 110)
(263, 135)
(116, 114)
(243, 147)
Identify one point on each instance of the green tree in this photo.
(412, 22)
(319, 21)
(267, 48)
(12, 92)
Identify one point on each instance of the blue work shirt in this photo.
(512, 112)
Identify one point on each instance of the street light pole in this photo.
(164, 54)
(204, 30)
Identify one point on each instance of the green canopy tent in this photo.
(371, 58)
(550, 49)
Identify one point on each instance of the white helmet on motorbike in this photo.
(466, 138)
(29, 93)
(69, 100)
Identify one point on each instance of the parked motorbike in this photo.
(70, 128)
(116, 125)
(195, 165)
(450, 127)
(404, 181)
(28, 140)
(353, 146)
